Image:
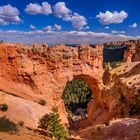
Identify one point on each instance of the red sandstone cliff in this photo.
(132, 54)
(29, 74)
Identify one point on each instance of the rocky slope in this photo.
(32, 80)
(33, 74)
(123, 89)
(119, 129)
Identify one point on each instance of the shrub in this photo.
(111, 65)
(137, 95)
(122, 98)
(122, 111)
(136, 106)
(43, 122)
(135, 109)
(42, 102)
(52, 124)
(3, 107)
(7, 126)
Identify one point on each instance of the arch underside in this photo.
(91, 106)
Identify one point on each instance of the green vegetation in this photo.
(137, 96)
(76, 95)
(112, 65)
(134, 110)
(7, 126)
(135, 107)
(3, 107)
(52, 124)
(122, 97)
(122, 111)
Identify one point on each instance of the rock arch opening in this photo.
(77, 97)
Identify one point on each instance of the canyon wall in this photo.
(31, 74)
(132, 49)
(121, 91)
(33, 77)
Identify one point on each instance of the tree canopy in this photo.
(76, 95)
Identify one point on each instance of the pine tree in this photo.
(52, 124)
(76, 95)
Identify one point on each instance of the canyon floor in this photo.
(118, 129)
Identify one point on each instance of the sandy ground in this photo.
(23, 134)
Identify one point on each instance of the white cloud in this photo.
(107, 27)
(67, 17)
(32, 27)
(35, 8)
(63, 37)
(46, 8)
(134, 25)
(112, 17)
(78, 21)
(55, 27)
(9, 15)
(60, 10)
(118, 32)
(87, 27)
(48, 28)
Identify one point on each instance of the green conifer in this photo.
(52, 124)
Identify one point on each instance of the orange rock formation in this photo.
(30, 74)
(39, 72)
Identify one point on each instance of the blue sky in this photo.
(69, 21)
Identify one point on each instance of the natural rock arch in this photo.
(95, 87)
(35, 72)
(43, 71)
(91, 81)
(85, 64)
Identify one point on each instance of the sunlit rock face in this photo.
(136, 56)
(123, 90)
(132, 53)
(40, 72)
(32, 74)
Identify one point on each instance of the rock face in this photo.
(132, 49)
(123, 90)
(38, 72)
(136, 56)
(32, 80)
(132, 53)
